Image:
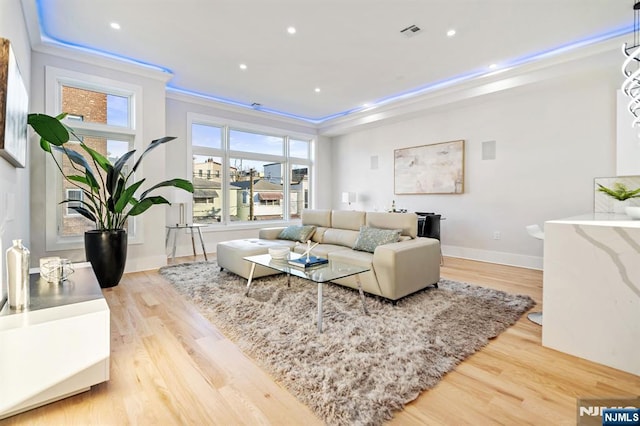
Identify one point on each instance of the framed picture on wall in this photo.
(14, 104)
(430, 169)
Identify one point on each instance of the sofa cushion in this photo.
(340, 237)
(297, 233)
(370, 238)
(322, 250)
(318, 236)
(406, 222)
(352, 257)
(348, 219)
(316, 217)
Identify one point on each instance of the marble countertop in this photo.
(600, 219)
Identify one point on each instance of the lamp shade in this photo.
(180, 197)
(177, 196)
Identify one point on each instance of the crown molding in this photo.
(77, 54)
(556, 63)
(572, 61)
(51, 47)
(30, 15)
(271, 119)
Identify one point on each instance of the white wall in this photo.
(149, 254)
(552, 138)
(14, 183)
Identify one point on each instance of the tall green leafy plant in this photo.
(109, 197)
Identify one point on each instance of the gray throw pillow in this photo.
(297, 233)
(370, 238)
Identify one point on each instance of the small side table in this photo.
(175, 228)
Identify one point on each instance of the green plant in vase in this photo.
(622, 194)
(620, 191)
(109, 191)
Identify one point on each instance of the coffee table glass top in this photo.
(320, 274)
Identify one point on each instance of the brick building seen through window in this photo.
(84, 105)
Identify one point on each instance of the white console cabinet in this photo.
(56, 348)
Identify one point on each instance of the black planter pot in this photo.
(107, 252)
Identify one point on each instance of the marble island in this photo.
(591, 289)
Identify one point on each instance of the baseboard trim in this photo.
(502, 258)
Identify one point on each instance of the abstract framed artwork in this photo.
(14, 105)
(430, 169)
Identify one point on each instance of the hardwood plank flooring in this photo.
(170, 366)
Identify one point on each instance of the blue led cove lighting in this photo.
(40, 4)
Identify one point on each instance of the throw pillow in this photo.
(370, 238)
(297, 233)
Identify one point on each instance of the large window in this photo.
(244, 175)
(102, 114)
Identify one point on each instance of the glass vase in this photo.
(18, 276)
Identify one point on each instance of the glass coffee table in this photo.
(318, 274)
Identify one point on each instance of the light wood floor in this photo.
(171, 366)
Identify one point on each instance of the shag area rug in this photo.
(361, 368)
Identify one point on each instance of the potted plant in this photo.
(109, 198)
(621, 193)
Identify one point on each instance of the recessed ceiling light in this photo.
(115, 25)
(451, 33)
(291, 30)
(317, 90)
(493, 66)
(243, 66)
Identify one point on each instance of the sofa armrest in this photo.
(407, 266)
(270, 233)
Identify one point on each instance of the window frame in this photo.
(226, 154)
(55, 79)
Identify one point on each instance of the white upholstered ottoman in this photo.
(230, 256)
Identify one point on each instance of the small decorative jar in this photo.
(18, 275)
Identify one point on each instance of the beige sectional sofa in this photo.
(397, 269)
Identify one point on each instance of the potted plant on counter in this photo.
(109, 192)
(622, 194)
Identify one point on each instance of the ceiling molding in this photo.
(78, 55)
(51, 47)
(243, 113)
(30, 14)
(569, 62)
(457, 89)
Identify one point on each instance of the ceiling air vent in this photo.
(411, 30)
